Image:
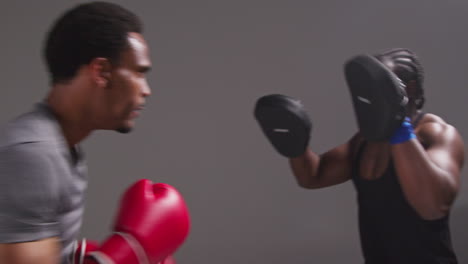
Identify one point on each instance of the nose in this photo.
(145, 89)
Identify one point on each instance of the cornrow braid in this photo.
(407, 68)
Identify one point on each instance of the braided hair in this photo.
(408, 68)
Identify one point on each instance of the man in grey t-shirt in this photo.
(97, 59)
(42, 181)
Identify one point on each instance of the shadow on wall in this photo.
(459, 230)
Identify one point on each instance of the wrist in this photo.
(116, 249)
(403, 133)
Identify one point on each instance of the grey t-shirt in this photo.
(42, 181)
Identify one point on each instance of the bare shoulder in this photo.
(431, 118)
(346, 150)
(433, 131)
(433, 127)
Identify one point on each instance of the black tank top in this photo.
(390, 229)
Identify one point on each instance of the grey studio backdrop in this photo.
(212, 60)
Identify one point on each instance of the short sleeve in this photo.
(28, 193)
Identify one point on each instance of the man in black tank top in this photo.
(405, 187)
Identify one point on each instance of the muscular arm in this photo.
(28, 206)
(314, 171)
(45, 251)
(430, 178)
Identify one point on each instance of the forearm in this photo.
(45, 251)
(305, 168)
(428, 188)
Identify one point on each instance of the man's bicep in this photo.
(447, 152)
(46, 251)
(28, 192)
(336, 164)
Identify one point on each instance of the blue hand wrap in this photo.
(403, 133)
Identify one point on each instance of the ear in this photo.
(100, 69)
(412, 89)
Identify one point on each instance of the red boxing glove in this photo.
(81, 248)
(169, 260)
(152, 222)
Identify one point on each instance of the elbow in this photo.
(304, 185)
(309, 181)
(307, 184)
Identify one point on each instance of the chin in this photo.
(125, 127)
(124, 130)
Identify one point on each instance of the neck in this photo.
(67, 104)
(413, 113)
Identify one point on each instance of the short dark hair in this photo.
(408, 68)
(85, 32)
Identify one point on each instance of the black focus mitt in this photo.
(378, 95)
(285, 123)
